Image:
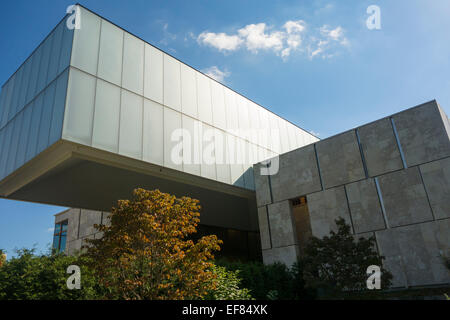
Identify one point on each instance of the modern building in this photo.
(95, 112)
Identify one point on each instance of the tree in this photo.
(2, 258)
(145, 252)
(29, 276)
(338, 262)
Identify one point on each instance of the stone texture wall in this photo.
(389, 178)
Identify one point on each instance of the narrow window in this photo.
(60, 236)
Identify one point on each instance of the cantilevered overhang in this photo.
(70, 174)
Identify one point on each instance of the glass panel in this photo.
(55, 52)
(80, 107)
(24, 136)
(24, 86)
(275, 143)
(4, 155)
(110, 55)
(10, 110)
(232, 114)
(264, 134)
(172, 149)
(3, 106)
(46, 118)
(153, 132)
(222, 165)
(218, 106)
(56, 242)
(153, 82)
(188, 91)
(131, 113)
(244, 123)
(66, 47)
(172, 85)
(43, 68)
(208, 166)
(133, 64)
(291, 135)
(64, 225)
(86, 43)
(15, 95)
(32, 84)
(62, 245)
(10, 166)
(36, 107)
(191, 145)
(106, 117)
(58, 108)
(235, 157)
(204, 98)
(253, 116)
(283, 135)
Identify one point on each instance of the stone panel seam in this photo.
(349, 211)
(318, 167)
(399, 146)
(426, 193)
(380, 199)
(268, 226)
(363, 160)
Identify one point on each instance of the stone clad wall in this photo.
(389, 178)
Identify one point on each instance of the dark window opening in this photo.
(60, 236)
(302, 222)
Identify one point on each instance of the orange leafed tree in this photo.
(146, 253)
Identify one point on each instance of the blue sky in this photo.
(314, 63)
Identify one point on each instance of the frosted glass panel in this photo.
(3, 106)
(24, 134)
(133, 64)
(15, 96)
(208, 167)
(45, 60)
(284, 138)
(153, 81)
(222, 163)
(253, 116)
(34, 128)
(172, 83)
(204, 98)
(66, 48)
(292, 138)
(191, 145)
(232, 113)
(131, 112)
(86, 43)
(36, 61)
(218, 106)
(17, 124)
(106, 117)
(110, 55)
(235, 154)
(173, 144)
(24, 85)
(8, 131)
(153, 132)
(58, 108)
(46, 118)
(264, 133)
(80, 107)
(2, 147)
(188, 91)
(300, 137)
(55, 52)
(244, 124)
(275, 138)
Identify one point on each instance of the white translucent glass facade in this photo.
(124, 96)
(32, 101)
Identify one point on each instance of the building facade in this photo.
(389, 179)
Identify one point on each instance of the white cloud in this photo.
(217, 74)
(256, 38)
(293, 36)
(220, 41)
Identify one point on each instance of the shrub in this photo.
(43, 277)
(227, 286)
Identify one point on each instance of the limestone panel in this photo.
(87, 220)
(413, 253)
(422, 134)
(436, 177)
(262, 186)
(287, 255)
(380, 148)
(404, 197)
(324, 208)
(365, 206)
(298, 174)
(340, 160)
(264, 228)
(281, 224)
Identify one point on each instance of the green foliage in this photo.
(338, 262)
(227, 286)
(2, 257)
(274, 281)
(43, 277)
